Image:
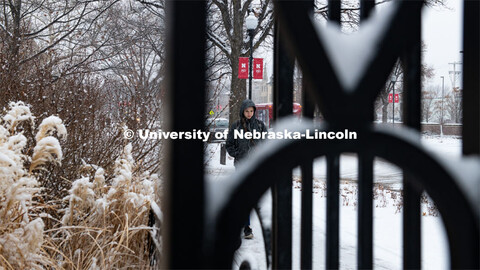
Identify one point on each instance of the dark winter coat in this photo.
(239, 148)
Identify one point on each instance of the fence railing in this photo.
(201, 232)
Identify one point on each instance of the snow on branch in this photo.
(215, 39)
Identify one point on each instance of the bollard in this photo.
(223, 154)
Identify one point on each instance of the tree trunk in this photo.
(384, 112)
(238, 92)
(12, 80)
(238, 87)
(16, 17)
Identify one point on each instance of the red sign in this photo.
(243, 67)
(258, 68)
(397, 98)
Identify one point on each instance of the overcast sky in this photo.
(442, 33)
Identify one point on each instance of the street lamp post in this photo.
(394, 80)
(443, 94)
(251, 22)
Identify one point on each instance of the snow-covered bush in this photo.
(21, 232)
(106, 221)
(107, 226)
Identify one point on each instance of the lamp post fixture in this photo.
(251, 22)
(443, 94)
(394, 80)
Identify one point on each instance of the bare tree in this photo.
(396, 80)
(137, 69)
(52, 30)
(227, 32)
(453, 105)
(98, 65)
(397, 76)
(429, 104)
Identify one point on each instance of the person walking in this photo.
(240, 148)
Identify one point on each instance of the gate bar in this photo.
(412, 116)
(282, 190)
(365, 211)
(183, 227)
(333, 210)
(333, 179)
(471, 78)
(365, 186)
(306, 237)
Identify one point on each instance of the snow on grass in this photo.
(21, 238)
(18, 112)
(51, 125)
(446, 146)
(47, 150)
(115, 217)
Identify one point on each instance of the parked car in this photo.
(216, 125)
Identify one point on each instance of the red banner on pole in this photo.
(390, 98)
(397, 98)
(258, 68)
(243, 67)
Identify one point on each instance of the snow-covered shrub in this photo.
(108, 219)
(21, 234)
(107, 226)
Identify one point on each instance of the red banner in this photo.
(258, 68)
(390, 98)
(243, 67)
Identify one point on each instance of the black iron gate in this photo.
(200, 234)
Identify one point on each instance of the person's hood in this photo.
(245, 104)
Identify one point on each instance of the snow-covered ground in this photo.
(387, 214)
